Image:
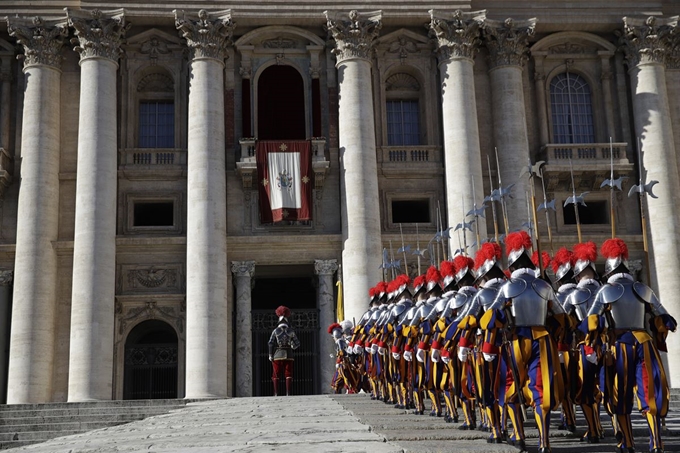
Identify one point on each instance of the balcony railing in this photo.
(147, 156)
(586, 152)
(398, 154)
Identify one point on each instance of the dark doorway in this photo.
(299, 294)
(151, 362)
(280, 104)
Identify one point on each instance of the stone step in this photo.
(55, 424)
(17, 416)
(86, 404)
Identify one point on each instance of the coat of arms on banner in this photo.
(284, 181)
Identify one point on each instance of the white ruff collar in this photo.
(524, 271)
(469, 288)
(566, 287)
(619, 276)
(588, 281)
(493, 281)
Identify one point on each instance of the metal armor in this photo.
(283, 338)
(459, 303)
(423, 311)
(626, 301)
(408, 317)
(530, 297)
(438, 309)
(563, 292)
(402, 309)
(581, 299)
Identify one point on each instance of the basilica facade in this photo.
(144, 248)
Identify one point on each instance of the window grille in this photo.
(156, 124)
(572, 109)
(403, 123)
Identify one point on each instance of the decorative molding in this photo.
(402, 46)
(169, 278)
(279, 43)
(206, 37)
(243, 268)
(6, 277)
(403, 82)
(153, 48)
(354, 38)
(98, 33)
(325, 267)
(508, 41)
(245, 72)
(151, 310)
(457, 35)
(41, 39)
(569, 48)
(156, 83)
(647, 40)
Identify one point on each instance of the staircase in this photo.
(24, 424)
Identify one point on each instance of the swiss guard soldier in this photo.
(522, 308)
(396, 366)
(346, 375)
(281, 344)
(621, 305)
(578, 305)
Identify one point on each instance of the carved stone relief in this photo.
(166, 278)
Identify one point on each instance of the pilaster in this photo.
(325, 269)
(243, 273)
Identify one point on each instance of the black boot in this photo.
(289, 386)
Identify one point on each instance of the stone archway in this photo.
(151, 359)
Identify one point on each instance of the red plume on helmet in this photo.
(545, 258)
(381, 287)
(283, 311)
(334, 326)
(447, 269)
(488, 251)
(419, 281)
(433, 275)
(401, 280)
(517, 240)
(614, 248)
(372, 292)
(586, 251)
(563, 256)
(460, 262)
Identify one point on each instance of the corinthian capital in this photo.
(243, 268)
(647, 40)
(508, 40)
(325, 267)
(206, 37)
(41, 39)
(456, 34)
(354, 35)
(99, 33)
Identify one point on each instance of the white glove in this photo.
(337, 365)
(446, 359)
(408, 356)
(489, 357)
(374, 348)
(435, 355)
(463, 353)
(332, 356)
(382, 351)
(271, 359)
(561, 354)
(358, 349)
(350, 350)
(367, 349)
(420, 355)
(592, 358)
(397, 356)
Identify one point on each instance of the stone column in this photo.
(457, 38)
(33, 323)
(507, 44)
(646, 45)
(326, 302)
(99, 35)
(243, 273)
(207, 327)
(6, 277)
(354, 36)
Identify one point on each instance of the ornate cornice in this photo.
(648, 40)
(325, 267)
(354, 38)
(206, 37)
(41, 39)
(99, 33)
(6, 277)
(243, 268)
(456, 34)
(508, 41)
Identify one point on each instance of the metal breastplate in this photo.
(458, 304)
(408, 317)
(627, 311)
(283, 337)
(582, 299)
(421, 313)
(486, 296)
(529, 297)
(438, 309)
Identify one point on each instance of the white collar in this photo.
(448, 294)
(283, 324)
(493, 281)
(420, 302)
(431, 300)
(566, 287)
(523, 271)
(468, 288)
(619, 276)
(588, 281)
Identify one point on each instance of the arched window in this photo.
(572, 109)
(156, 126)
(403, 110)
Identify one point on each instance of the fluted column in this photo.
(507, 44)
(33, 317)
(98, 41)
(207, 36)
(646, 43)
(354, 36)
(325, 270)
(457, 38)
(243, 274)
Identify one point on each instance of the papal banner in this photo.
(284, 172)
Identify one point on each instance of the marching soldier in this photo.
(621, 305)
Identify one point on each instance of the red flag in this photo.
(284, 172)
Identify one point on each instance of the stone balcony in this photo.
(247, 164)
(410, 161)
(152, 163)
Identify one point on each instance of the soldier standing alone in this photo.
(281, 344)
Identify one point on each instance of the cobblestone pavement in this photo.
(301, 424)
